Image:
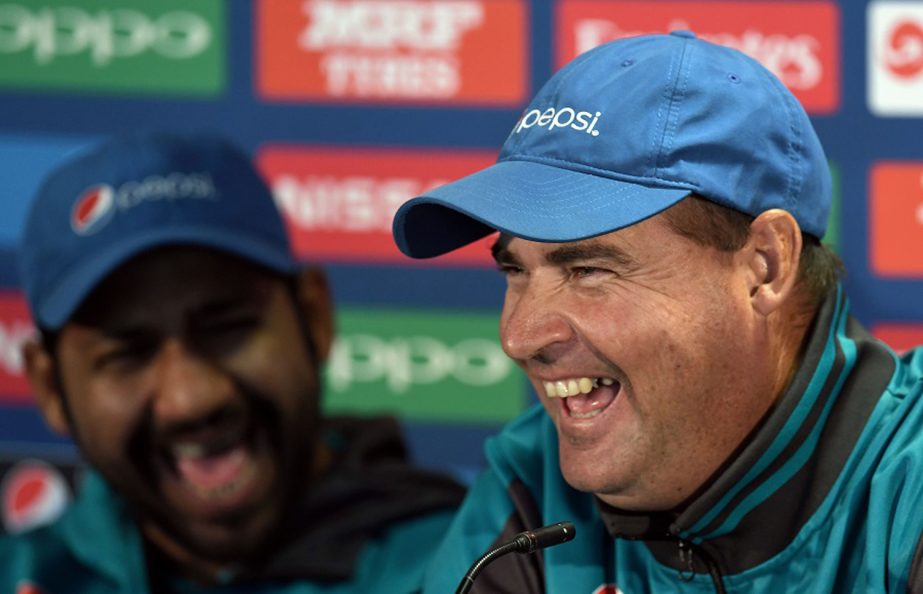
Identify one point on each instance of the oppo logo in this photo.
(566, 117)
(407, 361)
(106, 35)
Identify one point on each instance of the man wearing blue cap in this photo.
(713, 419)
(180, 346)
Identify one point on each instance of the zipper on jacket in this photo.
(687, 553)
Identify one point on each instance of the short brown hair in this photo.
(712, 225)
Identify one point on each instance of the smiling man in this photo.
(180, 347)
(712, 419)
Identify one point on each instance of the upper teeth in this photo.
(189, 450)
(574, 386)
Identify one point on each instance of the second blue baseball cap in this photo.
(623, 132)
(136, 192)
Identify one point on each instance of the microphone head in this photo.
(546, 536)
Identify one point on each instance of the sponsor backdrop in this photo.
(351, 106)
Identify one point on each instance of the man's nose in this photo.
(534, 326)
(189, 387)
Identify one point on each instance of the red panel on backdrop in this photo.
(472, 52)
(15, 328)
(900, 337)
(339, 203)
(798, 41)
(896, 219)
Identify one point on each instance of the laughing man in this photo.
(712, 419)
(180, 347)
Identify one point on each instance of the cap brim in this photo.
(529, 200)
(82, 278)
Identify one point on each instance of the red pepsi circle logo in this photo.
(904, 52)
(34, 493)
(93, 209)
(28, 588)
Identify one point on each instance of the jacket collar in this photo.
(756, 504)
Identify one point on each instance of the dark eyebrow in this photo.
(567, 253)
(128, 334)
(499, 249)
(589, 250)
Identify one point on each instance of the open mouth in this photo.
(216, 469)
(583, 397)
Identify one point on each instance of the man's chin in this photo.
(590, 482)
(203, 544)
(235, 547)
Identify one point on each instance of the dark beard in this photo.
(294, 456)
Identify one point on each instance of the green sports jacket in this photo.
(369, 527)
(826, 496)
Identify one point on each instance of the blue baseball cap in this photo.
(623, 132)
(134, 193)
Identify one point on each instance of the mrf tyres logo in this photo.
(565, 117)
(379, 48)
(169, 45)
(96, 206)
(430, 51)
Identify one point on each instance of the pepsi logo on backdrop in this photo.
(28, 588)
(93, 209)
(33, 493)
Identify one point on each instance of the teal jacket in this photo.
(825, 497)
(378, 520)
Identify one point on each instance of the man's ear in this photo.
(44, 379)
(314, 299)
(774, 251)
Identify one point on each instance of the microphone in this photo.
(524, 542)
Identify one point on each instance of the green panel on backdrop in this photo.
(424, 366)
(832, 236)
(123, 46)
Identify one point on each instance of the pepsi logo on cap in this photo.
(34, 493)
(93, 209)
